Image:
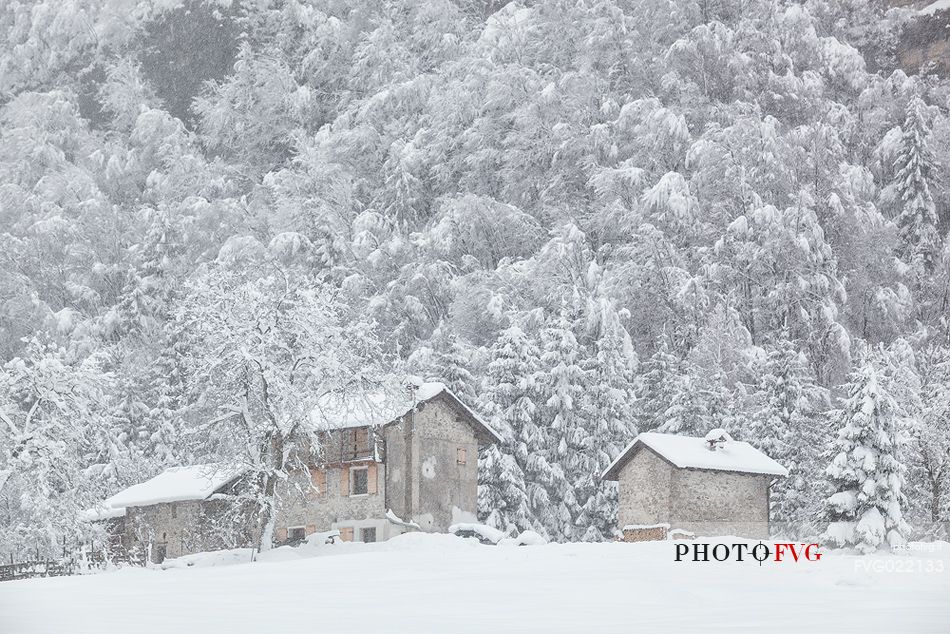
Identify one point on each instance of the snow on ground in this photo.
(441, 583)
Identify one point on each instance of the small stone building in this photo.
(175, 513)
(383, 468)
(707, 486)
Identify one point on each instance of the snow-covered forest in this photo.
(591, 218)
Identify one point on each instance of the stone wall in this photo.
(174, 529)
(720, 503)
(644, 490)
(168, 526)
(303, 505)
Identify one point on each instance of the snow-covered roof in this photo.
(936, 7)
(687, 452)
(335, 411)
(174, 485)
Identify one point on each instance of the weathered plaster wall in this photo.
(644, 490)
(448, 491)
(396, 470)
(441, 490)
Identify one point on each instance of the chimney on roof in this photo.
(716, 438)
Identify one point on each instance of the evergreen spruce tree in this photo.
(447, 359)
(509, 400)
(917, 223)
(608, 406)
(697, 400)
(655, 382)
(564, 444)
(865, 509)
(785, 425)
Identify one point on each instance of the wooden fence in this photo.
(68, 566)
(29, 569)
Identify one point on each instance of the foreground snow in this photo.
(441, 583)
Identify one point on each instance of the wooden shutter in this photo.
(311, 529)
(371, 478)
(345, 481)
(362, 439)
(346, 534)
(318, 478)
(281, 535)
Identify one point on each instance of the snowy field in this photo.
(439, 583)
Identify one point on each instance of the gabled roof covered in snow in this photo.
(936, 7)
(383, 408)
(174, 485)
(688, 452)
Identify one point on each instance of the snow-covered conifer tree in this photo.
(565, 459)
(608, 403)
(446, 359)
(510, 401)
(654, 382)
(915, 170)
(866, 476)
(786, 424)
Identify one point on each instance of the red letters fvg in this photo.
(796, 551)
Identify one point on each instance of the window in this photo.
(367, 535)
(359, 481)
(460, 455)
(346, 534)
(296, 534)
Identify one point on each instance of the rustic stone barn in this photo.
(707, 486)
(171, 514)
(382, 468)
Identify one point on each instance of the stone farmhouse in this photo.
(706, 486)
(382, 470)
